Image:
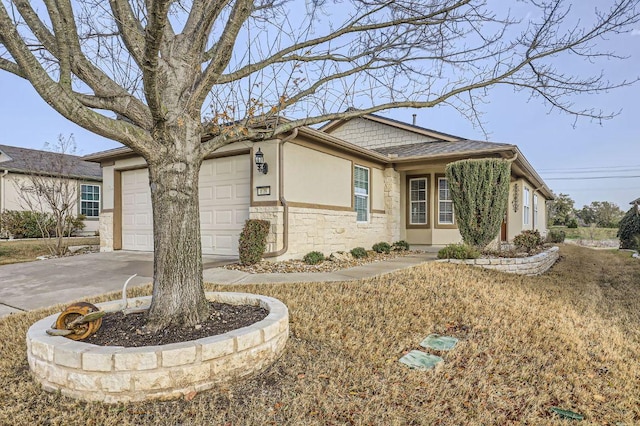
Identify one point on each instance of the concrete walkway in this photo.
(38, 284)
(227, 276)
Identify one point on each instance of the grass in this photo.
(589, 233)
(570, 339)
(17, 251)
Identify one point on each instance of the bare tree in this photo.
(176, 80)
(51, 193)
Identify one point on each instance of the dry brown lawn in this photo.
(18, 251)
(570, 338)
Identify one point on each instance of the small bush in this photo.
(253, 241)
(401, 245)
(358, 253)
(630, 229)
(528, 240)
(382, 247)
(573, 223)
(313, 258)
(458, 251)
(556, 236)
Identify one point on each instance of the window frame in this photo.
(366, 196)
(427, 201)
(82, 200)
(439, 223)
(526, 206)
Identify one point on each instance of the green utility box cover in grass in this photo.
(439, 343)
(420, 361)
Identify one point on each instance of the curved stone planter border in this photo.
(118, 374)
(533, 265)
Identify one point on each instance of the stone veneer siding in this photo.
(372, 135)
(322, 230)
(117, 374)
(534, 265)
(106, 231)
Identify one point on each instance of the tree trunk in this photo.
(178, 294)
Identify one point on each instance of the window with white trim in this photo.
(526, 206)
(445, 202)
(361, 193)
(418, 201)
(90, 200)
(535, 211)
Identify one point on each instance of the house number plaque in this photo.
(263, 190)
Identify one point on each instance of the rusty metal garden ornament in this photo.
(82, 319)
(78, 321)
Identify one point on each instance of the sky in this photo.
(588, 160)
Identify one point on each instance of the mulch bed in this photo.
(297, 265)
(129, 330)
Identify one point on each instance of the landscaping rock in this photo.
(340, 256)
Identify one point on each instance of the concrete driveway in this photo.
(38, 284)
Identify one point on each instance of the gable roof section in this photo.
(26, 161)
(332, 125)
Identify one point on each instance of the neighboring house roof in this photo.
(636, 201)
(27, 161)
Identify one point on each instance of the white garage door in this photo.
(224, 206)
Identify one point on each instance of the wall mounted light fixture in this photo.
(262, 166)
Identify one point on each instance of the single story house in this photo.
(18, 164)
(350, 183)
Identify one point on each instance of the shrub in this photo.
(313, 258)
(556, 236)
(75, 224)
(528, 240)
(253, 241)
(458, 251)
(630, 229)
(29, 224)
(25, 224)
(358, 253)
(401, 245)
(573, 223)
(382, 247)
(480, 190)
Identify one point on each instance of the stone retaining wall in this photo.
(117, 374)
(534, 265)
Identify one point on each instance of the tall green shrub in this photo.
(253, 241)
(629, 229)
(480, 190)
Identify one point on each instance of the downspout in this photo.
(283, 200)
(2, 186)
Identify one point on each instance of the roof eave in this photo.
(53, 175)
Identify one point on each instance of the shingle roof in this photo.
(24, 160)
(444, 147)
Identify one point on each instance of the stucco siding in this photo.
(377, 189)
(370, 134)
(314, 177)
(12, 199)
